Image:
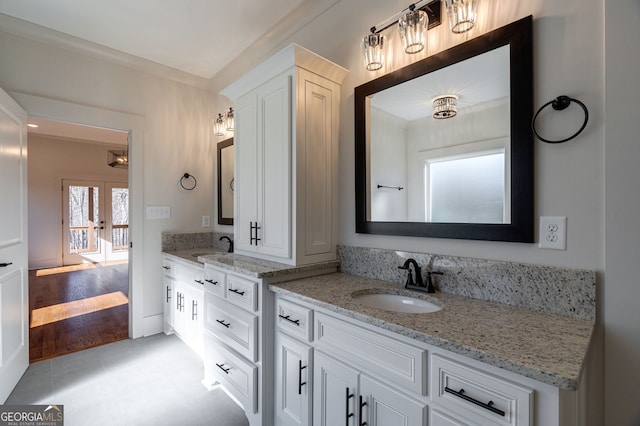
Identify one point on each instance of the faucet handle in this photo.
(430, 287)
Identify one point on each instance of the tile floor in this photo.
(149, 381)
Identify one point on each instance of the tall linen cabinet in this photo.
(286, 158)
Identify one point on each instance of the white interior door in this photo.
(95, 221)
(14, 305)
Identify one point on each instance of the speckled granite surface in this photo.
(546, 347)
(563, 291)
(172, 241)
(191, 255)
(262, 268)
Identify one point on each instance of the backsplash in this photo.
(172, 241)
(563, 291)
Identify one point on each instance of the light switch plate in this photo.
(206, 221)
(553, 232)
(158, 212)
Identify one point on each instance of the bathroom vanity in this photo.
(339, 361)
(305, 332)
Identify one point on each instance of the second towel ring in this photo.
(185, 177)
(558, 104)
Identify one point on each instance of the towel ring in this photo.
(558, 104)
(185, 177)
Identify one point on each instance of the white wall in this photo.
(50, 160)
(389, 154)
(177, 135)
(622, 244)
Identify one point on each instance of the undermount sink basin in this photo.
(396, 303)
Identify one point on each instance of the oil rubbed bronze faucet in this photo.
(224, 237)
(419, 284)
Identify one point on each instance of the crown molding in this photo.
(37, 33)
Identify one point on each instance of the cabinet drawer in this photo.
(294, 319)
(478, 395)
(235, 327)
(238, 376)
(168, 267)
(381, 356)
(215, 281)
(183, 273)
(241, 292)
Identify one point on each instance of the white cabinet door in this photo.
(263, 169)
(180, 312)
(274, 167)
(293, 382)
(335, 392)
(383, 406)
(168, 298)
(246, 171)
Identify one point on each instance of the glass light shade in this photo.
(218, 125)
(373, 51)
(413, 30)
(445, 106)
(230, 120)
(462, 14)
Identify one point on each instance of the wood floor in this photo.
(77, 307)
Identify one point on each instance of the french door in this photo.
(95, 218)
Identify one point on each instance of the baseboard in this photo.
(153, 325)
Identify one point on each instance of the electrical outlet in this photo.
(206, 221)
(553, 232)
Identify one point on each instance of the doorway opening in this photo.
(79, 239)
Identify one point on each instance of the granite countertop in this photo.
(546, 347)
(192, 255)
(259, 268)
(246, 265)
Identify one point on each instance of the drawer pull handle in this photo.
(488, 406)
(348, 414)
(194, 310)
(221, 367)
(166, 267)
(288, 318)
(168, 294)
(238, 292)
(212, 282)
(362, 405)
(300, 382)
(226, 324)
(199, 282)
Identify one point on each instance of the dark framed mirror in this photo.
(225, 182)
(443, 147)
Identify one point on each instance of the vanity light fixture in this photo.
(229, 120)
(224, 123)
(413, 23)
(445, 106)
(462, 14)
(413, 30)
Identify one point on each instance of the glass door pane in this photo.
(119, 218)
(84, 219)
